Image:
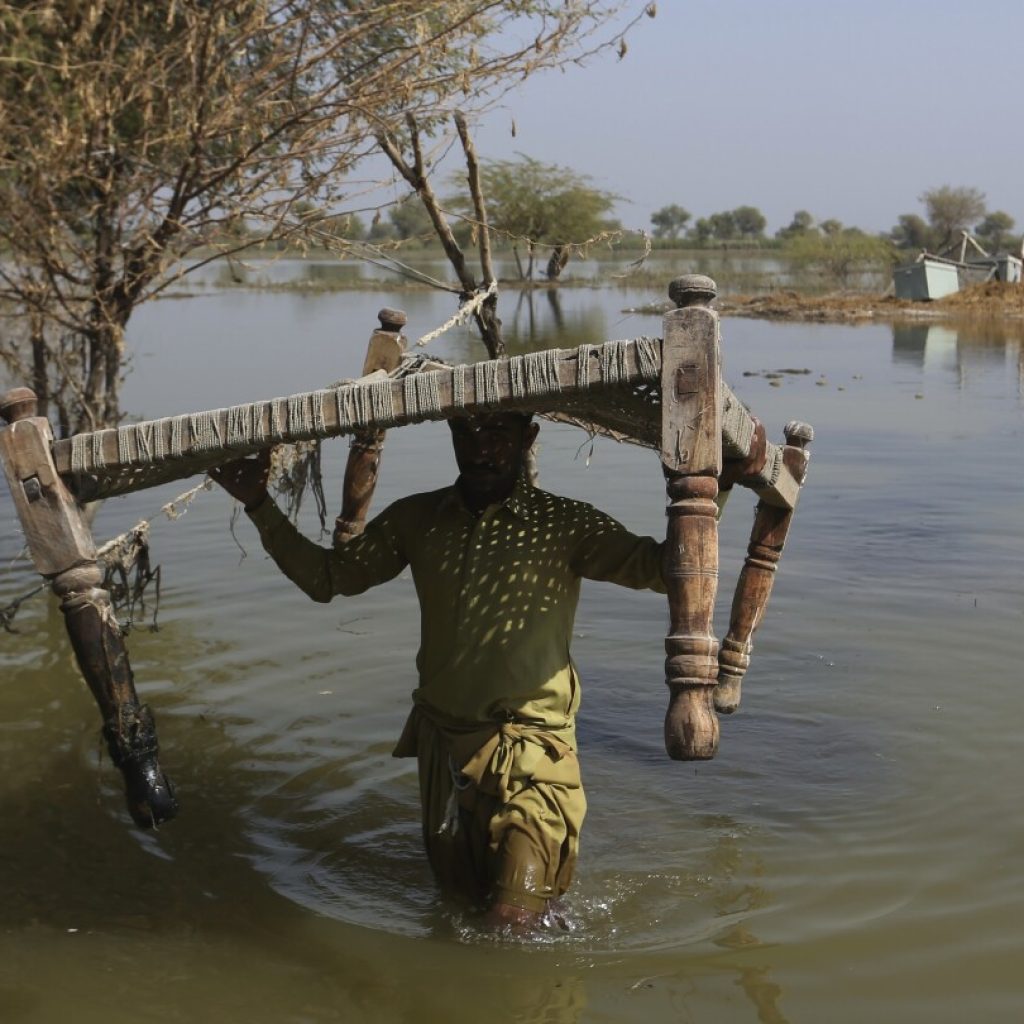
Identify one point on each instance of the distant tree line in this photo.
(531, 207)
(948, 210)
(743, 224)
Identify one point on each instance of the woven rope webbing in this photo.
(612, 389)
(178, 446)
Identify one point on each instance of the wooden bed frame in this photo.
(667, 394)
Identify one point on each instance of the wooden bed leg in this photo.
(64, 553)
(767, 539)
(691, 457)
(384, 352)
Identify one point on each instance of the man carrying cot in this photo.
(497, 566)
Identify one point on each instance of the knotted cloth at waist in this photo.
(498, 757)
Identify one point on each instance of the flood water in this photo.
(855, 852)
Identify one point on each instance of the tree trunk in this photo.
(40, 364)
(556, 264)
(489, 326)
(519, 263)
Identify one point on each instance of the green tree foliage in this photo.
(702, 230)
(135, 134)
(839, 256)
(911, 232)
(750, 222)
(670, 221)
(746, 223)
(536, 204)
(996, 232)
(723, 225)
(801, 223)
(411, 221)
(952, 209)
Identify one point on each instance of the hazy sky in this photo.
(846, 108)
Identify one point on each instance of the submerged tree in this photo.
(133, 135)
(534, 205)
(839, 255)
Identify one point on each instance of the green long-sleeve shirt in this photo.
(497, 592)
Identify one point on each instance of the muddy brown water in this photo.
(856, 851)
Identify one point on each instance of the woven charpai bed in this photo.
(664, 393)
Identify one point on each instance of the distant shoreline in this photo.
(992, 300)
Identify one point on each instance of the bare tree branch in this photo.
(134, 135)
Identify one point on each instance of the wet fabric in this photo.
(497, 592)
(502, 807)
(493, 722)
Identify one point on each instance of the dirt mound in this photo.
(789, 305)
(991, 299)
(996, 297)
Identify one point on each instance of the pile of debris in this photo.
(961, 263)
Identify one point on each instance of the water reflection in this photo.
(973, 349)
(909, 342)
(826, 867)
(746, 272)
(745, 899)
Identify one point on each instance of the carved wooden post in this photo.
(691, 458)
(767, 539)
(64, 553)
(384, 352)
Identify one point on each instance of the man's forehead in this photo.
(490, 421)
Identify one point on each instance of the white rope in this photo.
(613, 362)
(174, 509)
(80, 453)
(535, 374)
(205, 430)
(365, 404)
(382, 403)
(459, 387)
(300, 415)
(648, 356)
(277, 426)
(485, 380)
(422, 394)
(364, 410)
(260, 415)
(240, 425)
(124, 435)
(462, 314)
(136, 442)
(317, 400)
(343, 406)
(583, 366)
(178, 427)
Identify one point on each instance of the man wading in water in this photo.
(497, 566)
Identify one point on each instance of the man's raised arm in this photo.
(375, 556)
